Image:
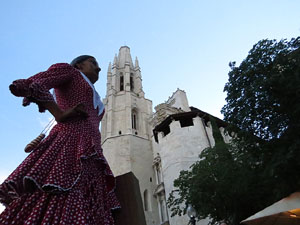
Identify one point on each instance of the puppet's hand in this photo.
(18, 90)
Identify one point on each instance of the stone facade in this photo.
(154, 146)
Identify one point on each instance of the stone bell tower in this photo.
(126, 133)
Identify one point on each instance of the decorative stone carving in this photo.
(156, 160)
(163, 110)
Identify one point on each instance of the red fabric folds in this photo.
(65, 179)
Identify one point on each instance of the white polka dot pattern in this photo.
(66, 179)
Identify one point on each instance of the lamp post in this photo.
(191, 214)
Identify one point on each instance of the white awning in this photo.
(285, 211)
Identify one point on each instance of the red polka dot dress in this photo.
(65, 179)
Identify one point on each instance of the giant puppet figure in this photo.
(65, 179)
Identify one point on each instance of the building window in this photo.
(134, 122)
(121, 82)
(131, 82)
(162, 208)
(134, 119)
(186, 122)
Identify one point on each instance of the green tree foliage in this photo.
(233, 181)
(216, 185)
(263, 100)
(263, 92)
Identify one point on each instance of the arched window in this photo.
(121, 82)
(131, 82)
(134, 119)
(163, 213)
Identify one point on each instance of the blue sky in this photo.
(179, 44)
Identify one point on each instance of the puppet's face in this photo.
(90, 68)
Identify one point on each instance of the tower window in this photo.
(134, 119)
(121, 82)
(131, 82)
(134, 122)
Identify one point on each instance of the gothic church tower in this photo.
(126, 133)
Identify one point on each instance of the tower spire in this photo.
(109, 68)
(136, 66)
(115, 61)
(124, 57)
